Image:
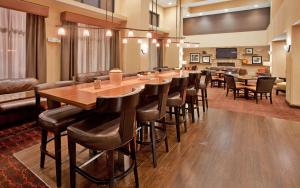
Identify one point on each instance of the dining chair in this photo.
(176, 101)
(110, 128)
(55, 120)
(233, 86)
(265, 86)
(152, 109)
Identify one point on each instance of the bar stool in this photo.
(55, 120)
(153, 109)
(176, 100)
(110, 128)
(192, 94)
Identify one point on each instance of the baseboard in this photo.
(292, 105)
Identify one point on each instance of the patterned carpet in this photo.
(12, 140)
(279, 109)
(12, 172)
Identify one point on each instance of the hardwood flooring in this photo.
(222, 149)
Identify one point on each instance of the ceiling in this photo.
(193, 8)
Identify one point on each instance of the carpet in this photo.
(279, 109)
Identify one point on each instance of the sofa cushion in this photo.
(16, 96)
(17, 85)
(17, 104)
(281, 86)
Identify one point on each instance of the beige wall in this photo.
(278, 59)
(285, 17)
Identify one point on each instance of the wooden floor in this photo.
(221, 150)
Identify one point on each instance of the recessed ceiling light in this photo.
(256, 6)
(170, 3)
(226, 10)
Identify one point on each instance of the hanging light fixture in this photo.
(108, 33)
(130, 34)
(181, 41)
(169, 41)
(149, 35)
(154, 41)
(86, 33)
(167, 45)
(61, 31)
(157, 45)
(178, 45)
(139, 41)
(124, 41)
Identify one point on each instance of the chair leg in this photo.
(184, 118)
(166, 139)
(234, 94)
(261, 96)
(277, 92)
(111, 168)
(43, 147)
(203, 100)
(206, 100)
(133, 156)
(266, 95)
(177, 123)
(197, 105)
(192, 109)
(171, 111)
(57, 140)
(153, 143)
(227, 92)
(271, 101)
(256, 98)
(72, 161)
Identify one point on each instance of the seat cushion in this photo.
(281, 86)
(251, 88)
(175, 100)
(96, 132)
(17, 104)
(191, 92)
(58, 119)
(149, 112)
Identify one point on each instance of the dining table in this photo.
(246, 78)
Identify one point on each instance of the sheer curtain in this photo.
(93, 51)
(153, 56)
(12, 44)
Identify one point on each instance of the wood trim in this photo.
(78, 18)
(292, 105)
(24, 6)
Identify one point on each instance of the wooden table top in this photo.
(85, 95)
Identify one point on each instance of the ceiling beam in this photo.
(225, 5)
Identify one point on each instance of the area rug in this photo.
(279, 109)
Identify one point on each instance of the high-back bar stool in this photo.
(192, 93)
(153, 109)
(55, 120)
(176, 101)
(110, 128)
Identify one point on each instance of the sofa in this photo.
(91, 76)
(17, 100)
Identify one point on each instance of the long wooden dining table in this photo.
(84, 95)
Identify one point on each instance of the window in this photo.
(12, 44)
(154, 19)
(93, 51)
(100, 4)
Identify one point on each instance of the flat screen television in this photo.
(226, 53)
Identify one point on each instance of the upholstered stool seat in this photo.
(175, 100)
(58, 119)
(149, 112)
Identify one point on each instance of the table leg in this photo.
(246, 82)
(246, 94)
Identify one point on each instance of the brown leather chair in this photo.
(17, 102)
(176, 100)
(111, 127)
(264, 86)
(233, 86)
(192, 93)
(153, 109)
(55, 120)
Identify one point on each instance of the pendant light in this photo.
(167, 45)
(61, 31)
(154, 41)
(169, 41)
(125, 41)
(149, 35)
(108, 32)
(130, 34)
(139, 41)
(86, 33)
(157, 45)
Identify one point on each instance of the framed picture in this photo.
(194, 58)
(249, 51)
(256, 59)
(206, 59)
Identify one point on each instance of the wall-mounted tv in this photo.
(226, 53)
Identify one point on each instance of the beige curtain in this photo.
(69, 46)
(93, 50)
(115, 50)
(12, 44)
(36, 47)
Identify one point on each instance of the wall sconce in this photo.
(144, 48)
(287, 48)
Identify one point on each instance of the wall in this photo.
(278, 59)
(257, 50)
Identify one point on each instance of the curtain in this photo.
(115, 50)
(69, 46)
(153, 56)
(36, 47)
(12, 44)
(160, 54)
(93, 50)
